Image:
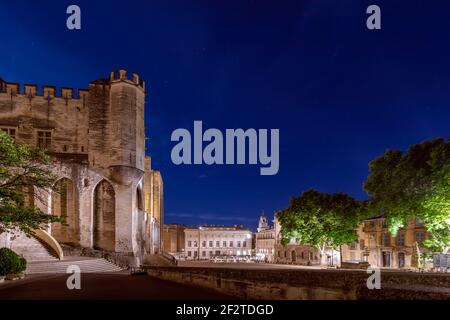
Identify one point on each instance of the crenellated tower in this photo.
(116, 126)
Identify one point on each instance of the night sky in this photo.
(340, 94)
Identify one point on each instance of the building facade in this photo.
(300, 254)
(97, 142)
(377, 246)
(265, 241)
(209, 241)
(174, 241)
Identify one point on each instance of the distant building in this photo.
(208, 241)
(265, 240)
(300, 254)
(174, 238)
(379, 248)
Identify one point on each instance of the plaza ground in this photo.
(104, 286)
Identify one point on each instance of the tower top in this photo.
(263, 223)
(121, 75)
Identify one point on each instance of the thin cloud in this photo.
(210, 217)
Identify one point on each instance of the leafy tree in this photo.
(415, 184)
(24, 174)
(321, 220)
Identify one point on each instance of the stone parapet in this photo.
(308, 284)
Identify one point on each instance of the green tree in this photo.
(24, 173)
(414, 184)
(321, 220)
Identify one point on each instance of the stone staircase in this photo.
(87, 265)
(159, 260)
(32, 249)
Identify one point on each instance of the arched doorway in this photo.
(139, 200)
(63, 205)
(140, 234)
(104, 216)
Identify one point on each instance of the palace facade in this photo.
(209, 241)
(111, 197)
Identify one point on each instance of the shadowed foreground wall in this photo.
(308, 284)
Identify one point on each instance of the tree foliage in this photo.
(24, 173)
(322, 220)
(414, 184)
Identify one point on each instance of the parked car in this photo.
(218, 259)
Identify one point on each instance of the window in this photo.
(362, 244)
(189, 253)
(239, 244)
(10, 131)
(82, 149)
(203, 244)
(385, 223)
(195, 244)
(217, 243)
(210, 253)
(224, 244)
(279, 254)
(210, 244)
(401, 239)
(353, 245)
(44, 139)
(195, 254)
(386, 239)
(420, 237)
(189, 244)
(244, 244)
(231, 244)
(285, 254)
(418, 223)
(203, 253)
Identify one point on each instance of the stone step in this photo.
(32, 249)
(87, 265)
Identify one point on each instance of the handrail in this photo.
(50, 241)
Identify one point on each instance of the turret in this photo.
(116, 121)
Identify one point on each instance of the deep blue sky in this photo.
(339, 93)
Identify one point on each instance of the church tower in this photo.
(263, 224)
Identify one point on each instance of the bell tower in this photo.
(263, 224)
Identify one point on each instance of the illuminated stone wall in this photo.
(97, 140)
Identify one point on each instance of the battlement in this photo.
(32, 90)
(121, 75)
(66, 93)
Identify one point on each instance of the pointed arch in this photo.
(63, 205)
(104, 216)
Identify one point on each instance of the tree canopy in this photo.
(414, 184)
(321, 220)
(24, 173)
